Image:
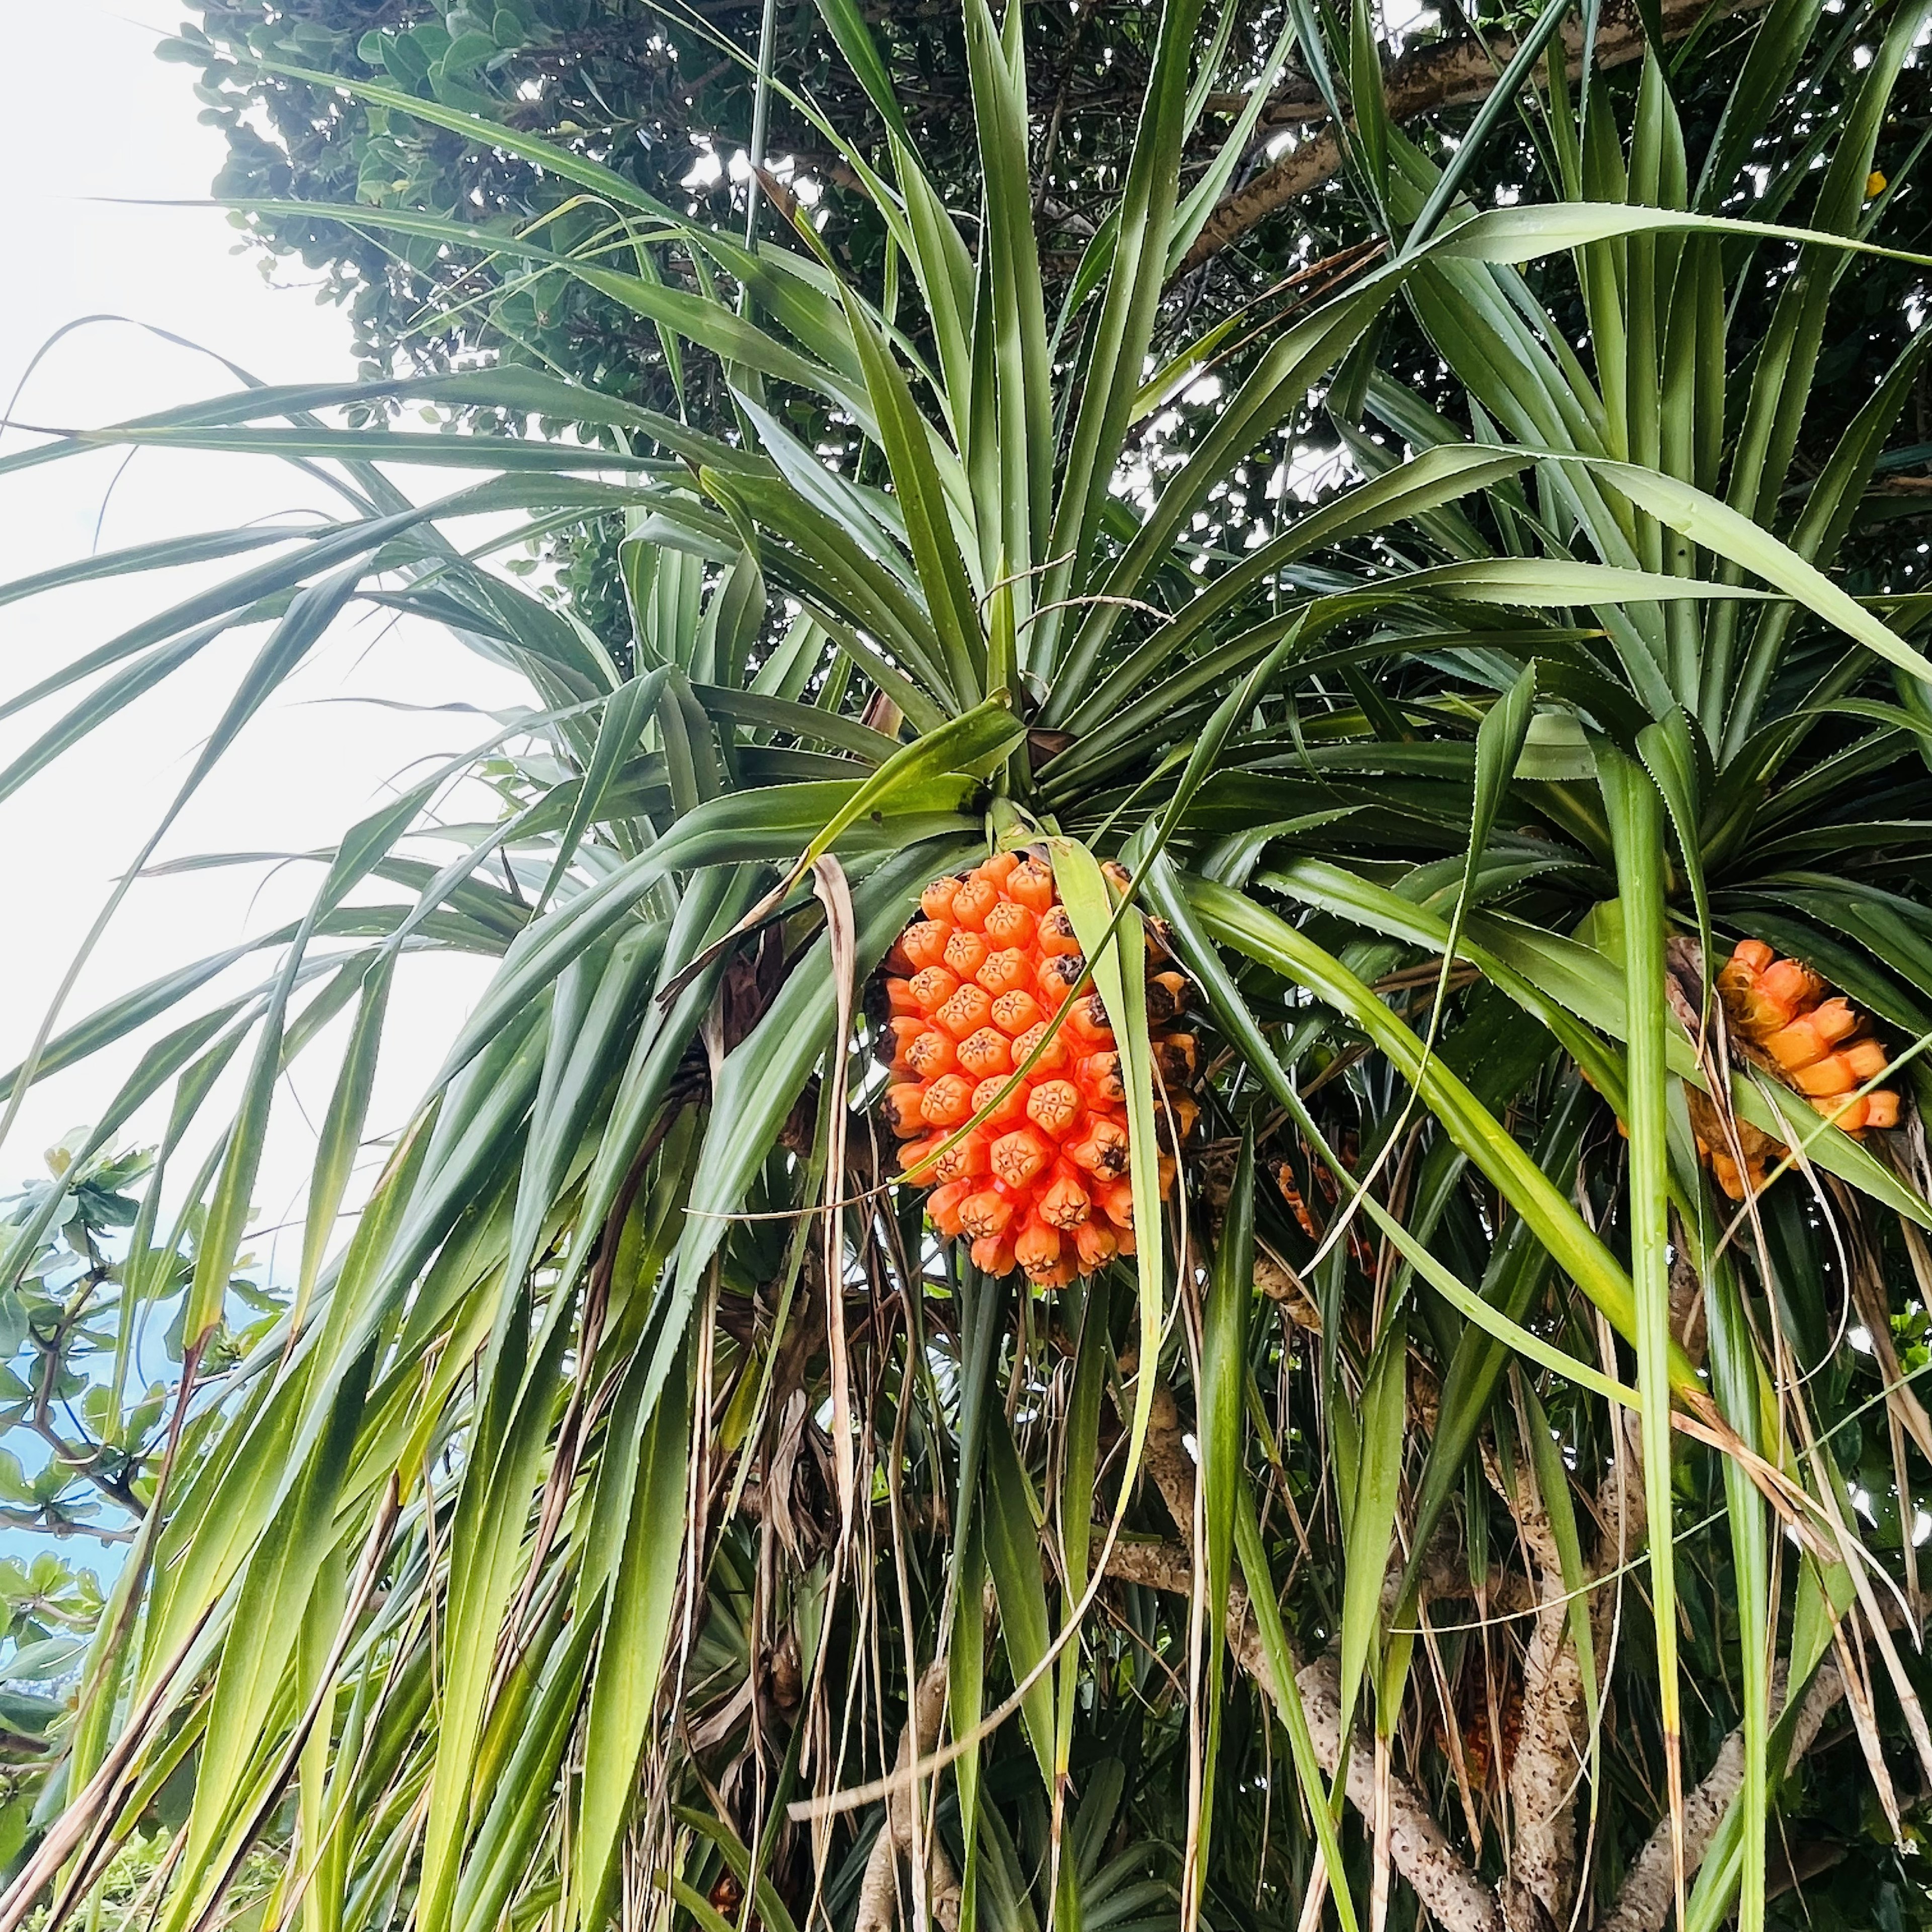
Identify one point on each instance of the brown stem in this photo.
(1441, 1877)
(1452, 73)
(898, 1836)
(1544, 1775)
(89, 1817)
(1646, 1899)
(47, 1521)
(1445, 1881)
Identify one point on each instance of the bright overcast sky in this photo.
(314, 761)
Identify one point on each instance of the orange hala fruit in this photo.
(1360, 1248)
(1778, 1011)
(972, 991)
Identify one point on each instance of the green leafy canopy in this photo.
(631, 1509)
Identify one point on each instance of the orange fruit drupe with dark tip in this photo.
(972, 990)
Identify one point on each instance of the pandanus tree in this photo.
(1446, 1450)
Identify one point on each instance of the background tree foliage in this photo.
(1456, 1508)
(651, 91)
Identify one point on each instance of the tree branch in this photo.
(48, 1521)
(1445, 1882)
(1544, 1775)
(1450, 73)
(1442, 1878)
(899, 1835)
(1649, 1889)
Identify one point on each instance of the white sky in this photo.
(311, 764)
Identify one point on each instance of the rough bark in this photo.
(1452, 73)
(1648, 1894)
(1419, 1850)
(1166, 1459)
(1281, 1284)
(900, 1835)
(1543, 1776)
(1538, 1891)
(1443, 1879)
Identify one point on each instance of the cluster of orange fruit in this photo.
(1778, 1011)
(972, 988)
(1488, 1724)
(1360, 1246)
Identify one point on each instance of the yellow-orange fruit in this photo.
(1053, 1107)
(964, 1159)
(1065, 1204)
(904, 1028)
(1021, 1157)
(1016, 1013)
(931, 987)
(1086, 1020)
(1095, 1242)
(1051, 1048)
(1005, 972)
(1056, 977)
(923, 944)
(1782, 990)
(1760, 1152)
(1166, 994)
(1810, 1037)
(1037, 1250)
(965, 1012)
(1777, 1010)
(1030, 884)
(1011, 924)
(1056, 934)
(946, 1205)
(902, 1106)
(1100, 1073)
(1174, 1059)
(993, 1254)
(1104, 1151)
(975, 1030)
(989, 1212)
(974, 899)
